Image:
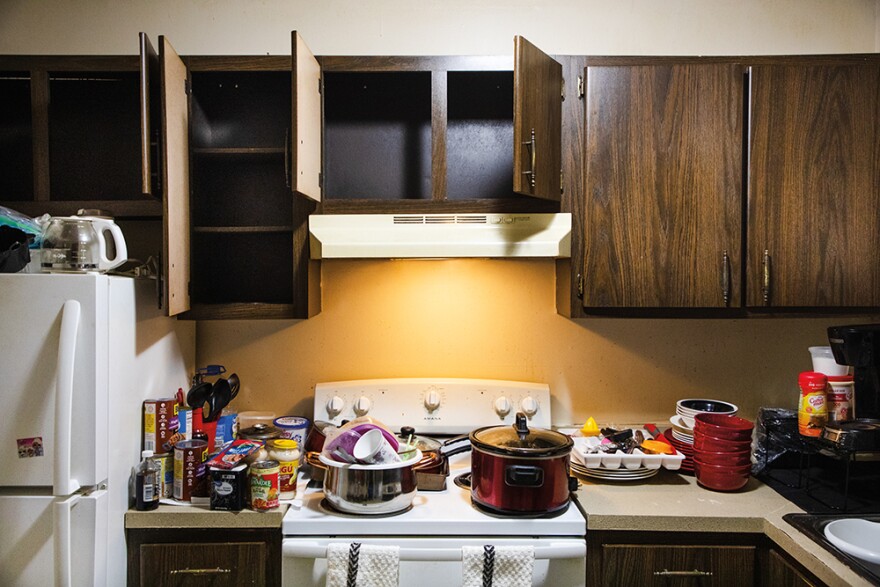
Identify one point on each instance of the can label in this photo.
(189, 469)
(293, 427)
(264, 485)
(840, 401)
(166, 474)
(160, 424)
(228, 488)
(813, 408)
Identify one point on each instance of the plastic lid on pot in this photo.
(262, 432)
(520, 440)
(423, 443)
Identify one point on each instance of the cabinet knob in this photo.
(725, 278)
(533, 152)
(765, 282)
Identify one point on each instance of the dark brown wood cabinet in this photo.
(729, 185)
(663, 187)
(814, 183)
(689, 558)
(218, 557)
(69, 136)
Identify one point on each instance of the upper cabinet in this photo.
(69, 135)
(420, 134)
(814, 183)
(715, 183)
(663, 184)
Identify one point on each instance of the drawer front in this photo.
(688, 566)
(232, 563)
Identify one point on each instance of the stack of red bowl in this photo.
(722, 451)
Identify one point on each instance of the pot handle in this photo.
(456, 445)
(521, 426)
(523, 476)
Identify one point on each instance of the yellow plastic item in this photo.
(590, 428)
(657, 447)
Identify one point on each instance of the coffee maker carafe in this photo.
(859, 347)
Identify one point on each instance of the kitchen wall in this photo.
(469, 318)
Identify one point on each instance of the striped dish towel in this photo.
(497, 566)
(362, 565)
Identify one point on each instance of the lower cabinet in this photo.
(689, 559)
(208, 556)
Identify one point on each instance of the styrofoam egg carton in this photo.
(582, 454)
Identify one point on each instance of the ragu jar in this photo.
(287, 453)
(813, 405)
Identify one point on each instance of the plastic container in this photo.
(823, 362)
(248, 419)
(146, 485)
(840, 398)
(812, 407)
(293, 427)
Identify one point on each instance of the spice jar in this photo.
(287, 453)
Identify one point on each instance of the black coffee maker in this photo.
(859, 347)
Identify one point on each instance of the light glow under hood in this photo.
(425, 236)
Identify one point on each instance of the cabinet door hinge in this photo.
(561, 181)
(563, 89)
(187, 87)
(320, 85)
(580, 286)
(580, 87)
(320, 180)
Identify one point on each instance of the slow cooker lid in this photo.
(522, 440)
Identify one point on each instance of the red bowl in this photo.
(713, 444)
(727, 459)
(721, 426)
(721, 478)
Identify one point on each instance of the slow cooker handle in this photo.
(521, 426)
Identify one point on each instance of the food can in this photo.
(812, 409)
(166, 474)
(293, 427)
(287, 453)
(228, 488)
(263, 483)
(840, 397)
(160, 424)
(189, 469)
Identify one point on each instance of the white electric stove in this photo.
(433, 531)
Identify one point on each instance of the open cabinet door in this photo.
(175, 179)
(537, 122)
(150, 101)
(305, 136)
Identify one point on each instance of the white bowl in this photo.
(856, 537)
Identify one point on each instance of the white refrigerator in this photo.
(80, 353)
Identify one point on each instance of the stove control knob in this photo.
(529, 406)
(432, 400)
(502, 406)
(334, 406)
(362, 405)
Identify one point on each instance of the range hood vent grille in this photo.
(408, 236)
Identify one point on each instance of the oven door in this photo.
(436, 562)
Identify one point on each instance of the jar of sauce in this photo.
(287, 453)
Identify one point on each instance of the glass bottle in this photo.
(146, 484)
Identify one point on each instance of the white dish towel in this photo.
(362, 565)
(497, 566)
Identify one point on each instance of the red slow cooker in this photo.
(516, 470)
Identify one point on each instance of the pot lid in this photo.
(260, 432)
(521, 440)
(423, 443)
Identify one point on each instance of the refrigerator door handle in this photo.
(64, 484)
(61, 540)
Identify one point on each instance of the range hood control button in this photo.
(334, 406)
(529, 406)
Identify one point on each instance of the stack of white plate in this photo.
(682, 431)
(620, 474)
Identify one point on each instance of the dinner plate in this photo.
(682, 424)
(617, 474)
(683, 438)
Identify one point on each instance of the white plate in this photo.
(682, 424)
(593, 473)
(682, 437)
(857, 537)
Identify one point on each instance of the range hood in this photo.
(425, 236)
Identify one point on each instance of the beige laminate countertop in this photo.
(675, 503)
(187, 516)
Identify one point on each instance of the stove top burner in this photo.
(463, 481)
(326, 507)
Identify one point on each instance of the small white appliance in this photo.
(81, 352)
(432, 533)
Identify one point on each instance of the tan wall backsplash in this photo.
(497, 319)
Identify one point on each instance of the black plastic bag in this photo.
(14, 252)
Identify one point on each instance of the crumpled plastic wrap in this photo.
(776, 434)
(33, 227)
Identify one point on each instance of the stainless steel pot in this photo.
(370, 489)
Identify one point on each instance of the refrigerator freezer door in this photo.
(32, 315)
(50, 541)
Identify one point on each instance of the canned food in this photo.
(293, 427)
(840, 397)
(189, 469)
(228, 488)
(263, 484)
(166, 474)
(160, 424)
(287, 453)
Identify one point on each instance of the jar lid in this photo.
(812, 380)
(283, 443)
(520, 440)
(840, 378)
(260, 432)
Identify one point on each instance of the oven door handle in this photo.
(315, 549)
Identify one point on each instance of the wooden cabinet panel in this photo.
(677, 565)
(782, 573)
(814, 184)
(218, 565)
(663, 185)
(537, 122)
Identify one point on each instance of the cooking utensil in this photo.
(219, 398)
(198, 394)
(370, 489)
(518, 470)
